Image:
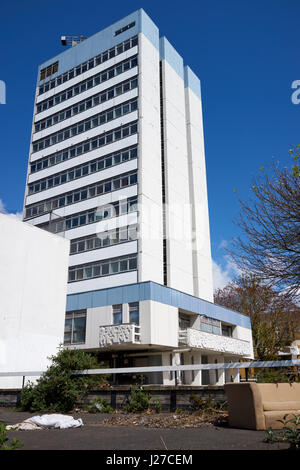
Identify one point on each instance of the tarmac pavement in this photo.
(95, 436)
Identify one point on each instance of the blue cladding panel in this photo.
(104, 40)
(192, 81)
(72, 302)
(148, 28)
(168, 53)
(152, 291)
(98, 298)
(83, 300)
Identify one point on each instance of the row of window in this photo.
(210, 325)
(87, 192)
(117, 313)
(104, 239)
(87, 84)
(75, 322)
(207, 324)
(88, 65)
(86, 125)
(103, 268)
(86, 146)
(86, 104)
(48, 71)
(114, 209)
(83, 170)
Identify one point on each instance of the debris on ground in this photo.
(149, 419)
(47, 421)
(165, 420)
(26, 425)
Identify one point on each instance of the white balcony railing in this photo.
(123, 333)
(212, 342)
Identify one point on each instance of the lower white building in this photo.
(148, 324)
(33, 286)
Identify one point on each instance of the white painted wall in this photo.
(159, 323)
(33, 285)
(202, 262)
(149, 161)
(178, 214)
(244, 334)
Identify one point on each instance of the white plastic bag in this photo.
(56, 421)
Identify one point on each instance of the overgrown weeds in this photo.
(100, 406)
(289, 433)
(5, 442)
(140, 400)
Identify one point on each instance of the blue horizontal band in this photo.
(152, 291)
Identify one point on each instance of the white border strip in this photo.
(134, 370)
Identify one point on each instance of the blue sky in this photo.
(246, 54)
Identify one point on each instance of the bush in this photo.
(202, 404)
(57, 390)
(139, 400)
(270, 375)
(100, 406)
(156, 405)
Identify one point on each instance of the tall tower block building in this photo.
(117, 166)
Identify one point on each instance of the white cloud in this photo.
(221, 276)
(224, 273)
(3, 210)
(18, 215)
(223, 244)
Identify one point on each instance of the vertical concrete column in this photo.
(150, 214)
(188, 359)
(202, 263)
(177, 223)
(227, 372)
(216, 376)
(167, 360)
(236, 375)
(197, 373)
(213, 374)
(125, 313)
(177, 362)
(221, 372)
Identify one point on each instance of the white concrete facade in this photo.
(150, 253)
(173, 242)
(33, 275)
(202, 262)
(178, 222)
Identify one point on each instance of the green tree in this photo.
(58, 389)
(275, 319)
